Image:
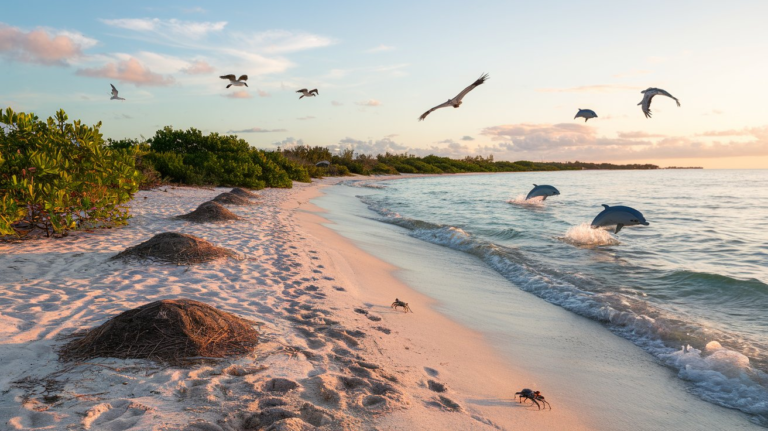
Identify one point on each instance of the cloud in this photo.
(167, 28)
(732, 132)
(257, 130)
(381, 48)
(288, 142)
(239, 94)
(263, 93)
(392, 135)
(196, 9)
(371, 102)
(638, 135)
(41, 46)
(308, 117)
(335, 103)
(200, 67)
(380, 146)
(467, 138)
(446, 141)
(128, 71)
(282, 41)
(574, 141)
(594, 89)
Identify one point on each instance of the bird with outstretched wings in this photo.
(456, 101)
(237, 82)
(648, 97)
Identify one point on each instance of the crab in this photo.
(534, 396)
(399, 303)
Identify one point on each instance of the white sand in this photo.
(321, 361)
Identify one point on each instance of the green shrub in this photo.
(190, 157)
(57, 176)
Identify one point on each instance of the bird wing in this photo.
(242, 78)
(230, 77)
(664, 93)
(646, 103)
(464, 92)
(314, 91)
(303, 90)
(442, 105)
(114, 90)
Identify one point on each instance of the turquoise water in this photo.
(691, 289)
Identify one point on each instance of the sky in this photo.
(379, 65)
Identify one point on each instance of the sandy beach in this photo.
(333, 354)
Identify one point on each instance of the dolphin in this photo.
(586, 114)
(545, 191)
(620, 216)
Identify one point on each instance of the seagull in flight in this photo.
(305, 93)
(648, 96)
(239, 82)
(114, 94)
(586, 114)
(456, 101)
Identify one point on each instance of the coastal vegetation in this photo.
(347, 161)
(58, 176)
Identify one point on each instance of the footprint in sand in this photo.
(117, 415)
(436, 386)
(431, 371)
(383, 329)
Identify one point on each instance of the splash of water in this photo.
(585, 235)
(537, 201)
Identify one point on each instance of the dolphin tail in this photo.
(606, 206)
(618, 227)
(535, 185)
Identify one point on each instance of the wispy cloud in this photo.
(597, 89)
(257, 130)
(639, 135)
(263, 93)
(130, 71)
(308, 117)
(199, 67)
(381, 48)
(573, 141)
(370, 102)
(239, 94)
(467, 138)
(281, 41)
(167, 28)
(43, 46)
(335, 103)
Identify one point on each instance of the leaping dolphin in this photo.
(586, 114)
(619, 216)
(544, 191)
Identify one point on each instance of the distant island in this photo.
(683, 167)
(321, 161)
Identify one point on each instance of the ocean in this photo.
(690, 289)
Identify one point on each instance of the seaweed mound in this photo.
(171, 331)
(209, 212)
(178, 248)
(243, 193)
(231, 199)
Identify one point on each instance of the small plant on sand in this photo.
(57, 176)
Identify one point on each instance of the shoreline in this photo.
(451, 351)
(320, 362)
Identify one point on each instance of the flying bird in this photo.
(586, 114)
(648, 96)
(114, 94)
(456, 101)
(310, 93)
(239, 82)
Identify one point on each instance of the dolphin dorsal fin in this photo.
(606, 206)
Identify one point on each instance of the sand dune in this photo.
(333, 354)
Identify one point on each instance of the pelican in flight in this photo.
(114, 94)
(310, 93)
(239, 82)
(648, 96)
(586, 114)
(456, 101)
